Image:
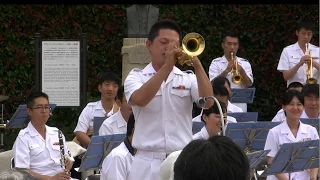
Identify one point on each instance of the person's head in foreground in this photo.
(217, 158)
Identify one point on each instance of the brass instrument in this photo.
(236, 77)
(193, 44)
(310, 78)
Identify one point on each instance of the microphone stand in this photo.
(223, 133)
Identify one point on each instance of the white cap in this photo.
(166, 168)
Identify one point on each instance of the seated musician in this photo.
(212, 120)
(116, 165)
(310, 94)
(223, 81)
(280, 116)
(117, 123)
(37, 146)
(216, 158)
(291, 130)
(108, 86)
(221, 94)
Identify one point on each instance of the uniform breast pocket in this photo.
(181, 97)
(293, 61)
(36, 150)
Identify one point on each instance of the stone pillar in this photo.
(134, 55)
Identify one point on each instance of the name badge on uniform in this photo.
(56, 143)
(34, 146)
(180, 87)
(294, 57)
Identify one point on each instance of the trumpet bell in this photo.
(311, 81)
(237, 79)
(193, 44)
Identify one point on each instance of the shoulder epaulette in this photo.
(136, 70)
(188, 71)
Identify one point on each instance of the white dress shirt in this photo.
(304, 115)
(93, 109)
(40, 155)
(281, 134)
(279, 117)
(289, 58)
(219, 64)
(115, 124)
(165, 123)
(231, 108)
(117, 164)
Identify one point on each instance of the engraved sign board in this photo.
(60, 71)
(134, 55)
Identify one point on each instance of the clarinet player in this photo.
(37, 147)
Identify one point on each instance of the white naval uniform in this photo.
(291, 55)
(164, 125)
(281, 134)
(115, 124)
(40, 155)
(219, 64)
(117, 164)
(280, 116)
(93, 109)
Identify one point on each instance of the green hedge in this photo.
(265, 30)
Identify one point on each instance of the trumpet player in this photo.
(295, 58)
(37, 147)
(161, 97)
(230, 65)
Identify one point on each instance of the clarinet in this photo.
(62, 159)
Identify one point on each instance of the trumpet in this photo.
(193, 44)
(236, 77)
(310, 78)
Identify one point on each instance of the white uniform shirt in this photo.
(281, 134)
(93, 109)
(229, 119)
(115, 124)
(291, 55)
(32, 152)
(279, 117)
(231, 108)
(219, 64)
(165, 123)
(202, 134)
(304, 115)
(117, 164)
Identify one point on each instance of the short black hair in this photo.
(110, 76)
(290, 94)
(220, 91)
(217, 158)
(32, 96)
(309, 89)
(295, 85)
(120, 93)
(163, 24)
(230, 33)
(130, 124)
(214, 109)
(305, 24)
(220, 81)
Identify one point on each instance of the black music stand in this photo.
(244, 116)
(97, 122)
(20, 117)
(250, 136)
(242, 95)
(255, 158)
(197, 126)
(312, 122)
(294, 157)
(98, 148)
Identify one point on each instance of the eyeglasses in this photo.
(42, 108)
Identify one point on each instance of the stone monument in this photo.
(134, 51)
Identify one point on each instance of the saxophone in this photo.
(62, 154)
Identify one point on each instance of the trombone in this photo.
(193, 44)
(310, 78)
(236, 77)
